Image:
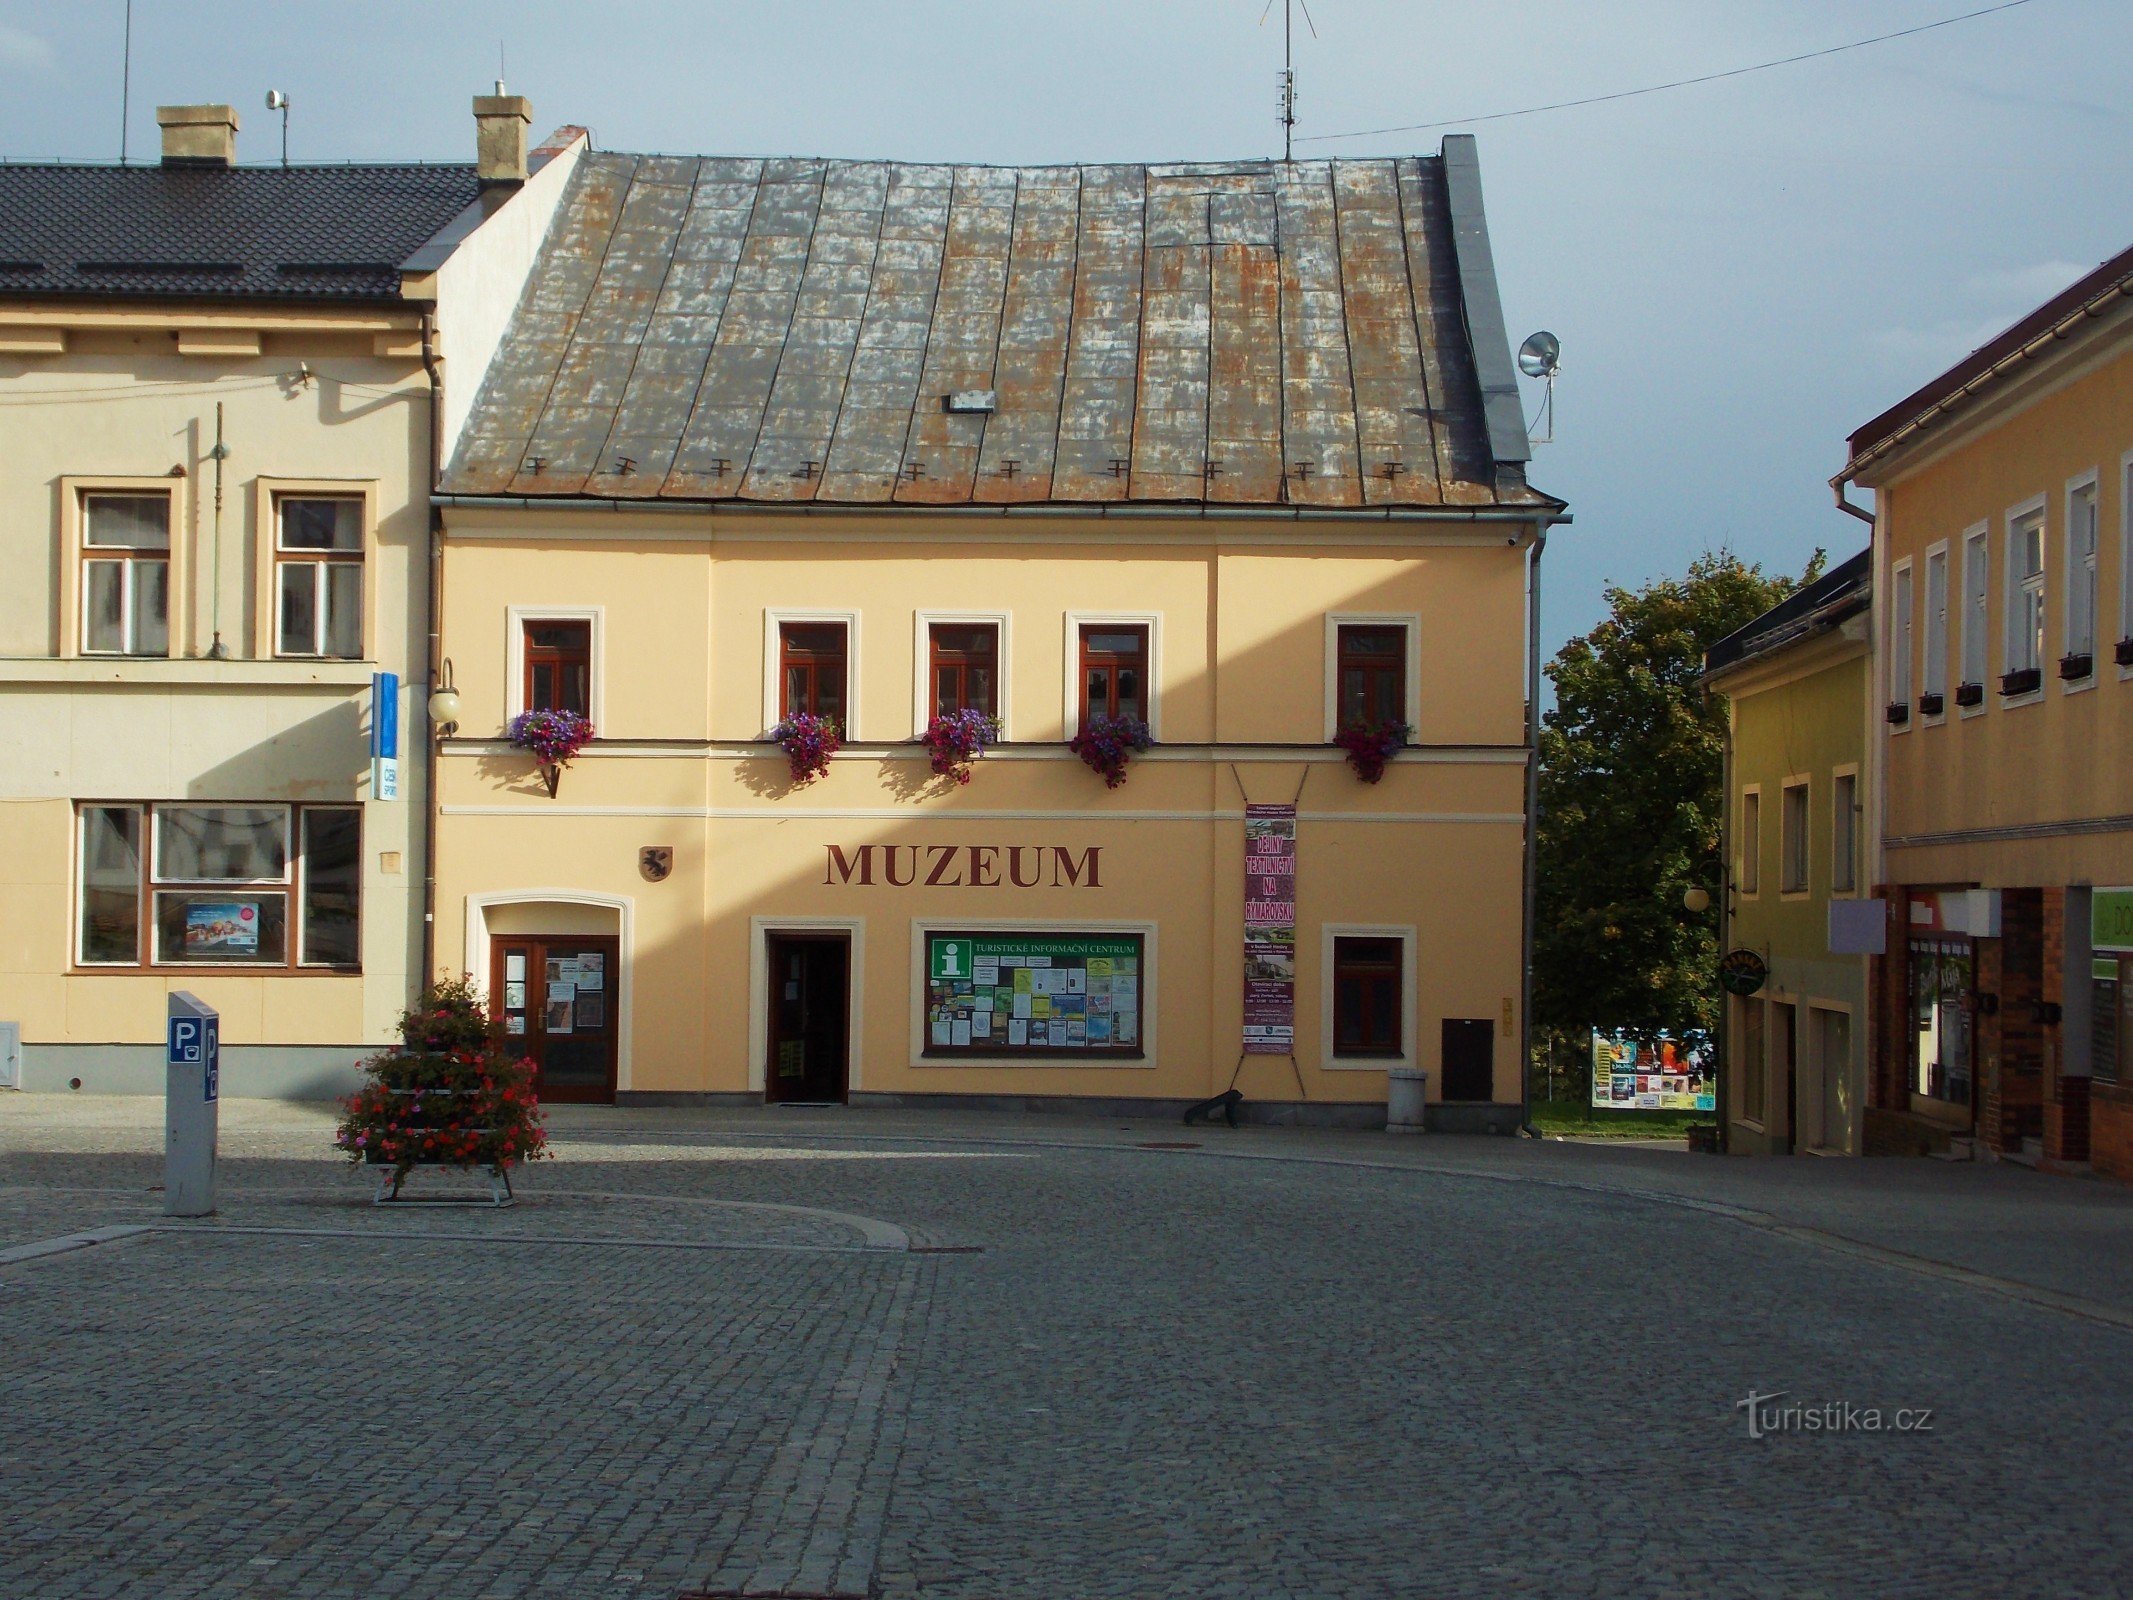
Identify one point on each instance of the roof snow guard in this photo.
(1316, 335)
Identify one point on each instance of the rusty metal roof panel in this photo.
(1240, 333)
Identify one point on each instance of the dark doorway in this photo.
(1785, 1056)
(810, 1022)
(557, 995)
(1469, 1058)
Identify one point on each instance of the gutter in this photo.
(1530, 888)
(1516, 516)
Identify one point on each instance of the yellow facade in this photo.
(684, 606)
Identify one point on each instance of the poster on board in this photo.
(1269, 930)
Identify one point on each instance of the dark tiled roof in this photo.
(1841, 592)
(1249, 333)
(246, 233)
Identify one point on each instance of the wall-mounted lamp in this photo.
(2048, 1013)
(1696, 901)
(444, 704)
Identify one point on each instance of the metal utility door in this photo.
(810, 1023)
(557, 996)
(1469, 1058)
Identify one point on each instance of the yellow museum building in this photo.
(1232, 451)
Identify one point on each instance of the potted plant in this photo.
(808, 742)
(956, 740)
(553, 737)
(1108, 743)
(451, 1095)
(1371, 748)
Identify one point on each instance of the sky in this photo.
(1741, 273)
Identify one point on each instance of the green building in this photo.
(1798, 890)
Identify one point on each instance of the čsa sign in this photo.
(965, 866)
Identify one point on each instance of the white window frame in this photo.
(1070, 701)
(1151, 992)
(1976, 615)
(515, 620)
(1855, 813)
(1933, 679)
(1335, 621)
(144, 904)
(2082, 575)
(1901, 640)
(922, 625)
(773, 620)
(271, 492)
(1748, 855)
(1410, 993)
(2013, 599)
(125, 557)
(1800, 783)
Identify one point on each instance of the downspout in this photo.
(1531, 885)
(1725, 922)
(433, 605)
(1844, 504)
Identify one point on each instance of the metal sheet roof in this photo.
(241, 233)
(778, 331)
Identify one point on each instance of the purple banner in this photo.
(1269, 930)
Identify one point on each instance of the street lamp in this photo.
(444, 705)
(1696, 901)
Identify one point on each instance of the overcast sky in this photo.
(1740, 273)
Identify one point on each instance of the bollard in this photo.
(191, 1089)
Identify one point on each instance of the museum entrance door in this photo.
(810, 1023)
(556, 994)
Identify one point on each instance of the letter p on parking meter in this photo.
(192, 1088)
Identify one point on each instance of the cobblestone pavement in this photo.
(957, 1356)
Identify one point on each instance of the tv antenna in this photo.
(125, 82)
(277, 101)
(1541, 356)
(1288, 67)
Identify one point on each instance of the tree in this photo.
(1630, 805)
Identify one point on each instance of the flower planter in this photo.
(956, 741)
(2024, 680)
(552, 738)
(1970, 694)
(2122, 652)
(1370, 750)
(2074, 667)
(1106, 744)
(808, 742)
(1931, 705)
(1899, 713)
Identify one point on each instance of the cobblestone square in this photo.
(901, 1355)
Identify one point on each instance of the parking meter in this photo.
(191, 1090)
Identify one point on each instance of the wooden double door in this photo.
(557, 994)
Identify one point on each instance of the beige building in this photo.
(1233, 452)
(2004, 645)
(223, 388)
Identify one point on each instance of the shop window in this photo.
(318, 577)
(217, 884)
(1753, 1064)
(812, 663)
(1751, 842)
(1977, 569)
(1367, 976)
(1371, 691)
(2025, 603)
(1938, 974)
(558, 665)
(1064, 997)
(2111, 1018)
(963, 667)
(2080, 659)
(1114, 671)
(125, 574)
(1792, 840)
(1844, 833)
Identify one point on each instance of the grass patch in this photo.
(1572, 1117)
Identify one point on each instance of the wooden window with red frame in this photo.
(963, 665)
(1114, 671)
(1366, 996)
(811, 670)
(558, 666)
(1372, 667)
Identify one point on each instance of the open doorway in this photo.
(1785, 1065)
(809, 1032)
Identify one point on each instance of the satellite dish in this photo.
(1541, 356)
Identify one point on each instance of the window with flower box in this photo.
(1372, 690)
(1114, 670)
(812, 659)
(963, 667)
(558, 665)
(255, 886)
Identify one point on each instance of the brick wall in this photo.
(2110, 1112)
(2066, 1100)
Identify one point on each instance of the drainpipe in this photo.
(433, 604)
(1844, 505)
(1532, 855)
(1725, 922)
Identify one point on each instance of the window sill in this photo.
(218, 969)
(1364, 1063)
(156, 671)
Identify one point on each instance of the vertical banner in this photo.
(385, 736)
(1269, 930)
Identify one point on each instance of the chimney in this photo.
(198, 136)
(500, 124)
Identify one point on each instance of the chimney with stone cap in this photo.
(198, 136)
(500, 124)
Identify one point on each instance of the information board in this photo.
(1667, 1075)
(1060, 996)
(1269, 930)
